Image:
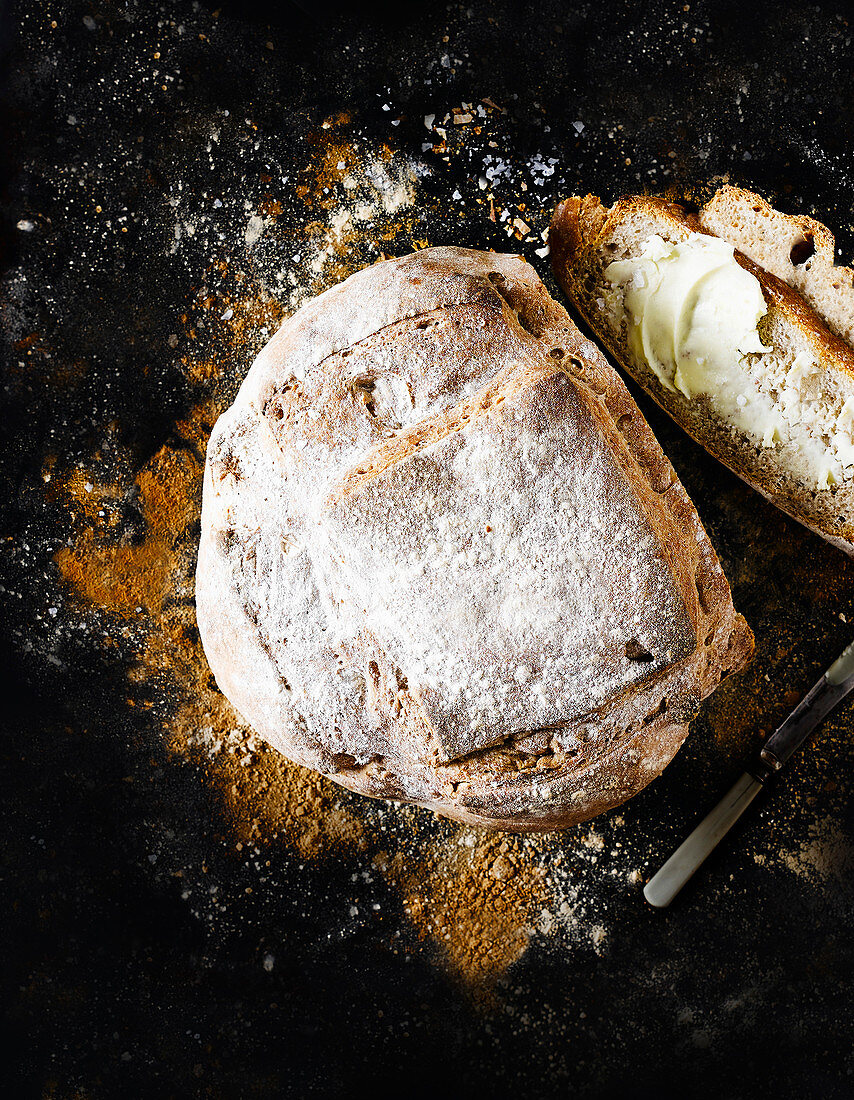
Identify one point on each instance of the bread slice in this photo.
(798, 250)
(809, 371)
(443, 558)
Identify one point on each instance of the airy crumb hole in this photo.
(802, 250)
(525, 323)
(557, 353)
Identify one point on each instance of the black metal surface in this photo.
(144, 953)
(818, 702)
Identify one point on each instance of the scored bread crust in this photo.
(582, 238)
(443, 558)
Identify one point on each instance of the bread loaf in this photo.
(797, 383)
(443, 558)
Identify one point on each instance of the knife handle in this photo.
(842, 668)
(663, 887)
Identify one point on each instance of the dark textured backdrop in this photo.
(159, 156)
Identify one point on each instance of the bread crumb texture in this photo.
(782, 417)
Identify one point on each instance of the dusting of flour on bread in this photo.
(443, 558)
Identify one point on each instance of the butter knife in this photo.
(815, 706)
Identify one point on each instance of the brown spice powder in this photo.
(122, 578)
(476, 896)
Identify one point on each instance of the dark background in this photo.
(112, 984)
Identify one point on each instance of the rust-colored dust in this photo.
(476, 896)
(123, 579)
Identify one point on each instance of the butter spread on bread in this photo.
(443, 558)
(693, 317)
(744, 362)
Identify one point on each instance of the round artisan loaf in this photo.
(443, 558)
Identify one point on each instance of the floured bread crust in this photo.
(443, 558)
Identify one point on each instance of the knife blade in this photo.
(815, 706)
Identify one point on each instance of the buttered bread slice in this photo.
(741, 357)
